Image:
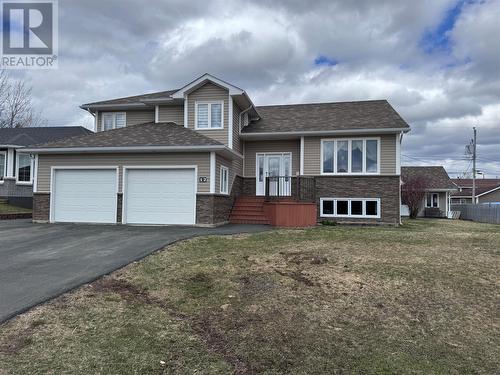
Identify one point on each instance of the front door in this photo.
(278, 166)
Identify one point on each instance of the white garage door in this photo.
(159, 196)
(84, 196)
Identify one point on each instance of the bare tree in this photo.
(16, 107)
(413, 193)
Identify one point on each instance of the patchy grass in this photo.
(422, 298)
(9, 209)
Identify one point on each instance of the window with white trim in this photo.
(350, 207)
(113, 120)
(432, 200)
(3, 164)
(224, 180)
(24, 168)
(209, 115)
(350, 156)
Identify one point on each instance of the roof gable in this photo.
(435, 176)
(200, 81)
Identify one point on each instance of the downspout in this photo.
(242, 113)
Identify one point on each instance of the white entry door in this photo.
(84, 195)
(159, 196)
(277, 166)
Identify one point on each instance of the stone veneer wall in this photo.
(41, 207)
(384, 187)
(215, 209)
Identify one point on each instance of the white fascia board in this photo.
(114, 106)
(120, 149)
(487, 192)
(322, 132)
(233, 90)
(134, 149)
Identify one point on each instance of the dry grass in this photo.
(9, 209)
(422, 298)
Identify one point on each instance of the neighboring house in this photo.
(16, 167)
(487, 191)
(439, 189)
(184, 156)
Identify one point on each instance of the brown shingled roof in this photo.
(373, 114)
(148, 134)
(436, 176)
(134, 99)
(482, 185)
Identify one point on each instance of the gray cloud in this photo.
(118, 48)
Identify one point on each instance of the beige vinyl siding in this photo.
(171, 113)
(237, 145)
(131, 117)
(45, 162)
(209, 92)
(254, 147)
(234, 167)
(312, 153)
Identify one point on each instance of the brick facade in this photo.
(41, 207)
(384, 187)
(215, 209)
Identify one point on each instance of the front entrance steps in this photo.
(280, 212)
(249, 210)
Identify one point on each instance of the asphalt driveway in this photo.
(40, 261)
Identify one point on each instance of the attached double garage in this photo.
(128, 189)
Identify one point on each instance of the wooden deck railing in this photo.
(301, 188)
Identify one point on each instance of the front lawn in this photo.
(6, 208)
(422, 298)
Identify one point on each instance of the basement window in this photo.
(350, 207)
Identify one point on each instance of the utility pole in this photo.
(474, 168)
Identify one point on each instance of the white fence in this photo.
(483, 213)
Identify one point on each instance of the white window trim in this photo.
(209, 103)
(349, 152)
(30, 182)
(224, 189)
(4, 165)
(114, 119)
(349, 215)
(437, 200)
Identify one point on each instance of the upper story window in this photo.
(3, 165)
(209, 115)
(113, 120)
(23, 168)
(350, 156)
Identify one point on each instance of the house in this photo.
(204, 154)
(16, 168)
(439, 188)
(487, 191)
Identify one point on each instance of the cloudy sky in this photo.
(436, 61)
